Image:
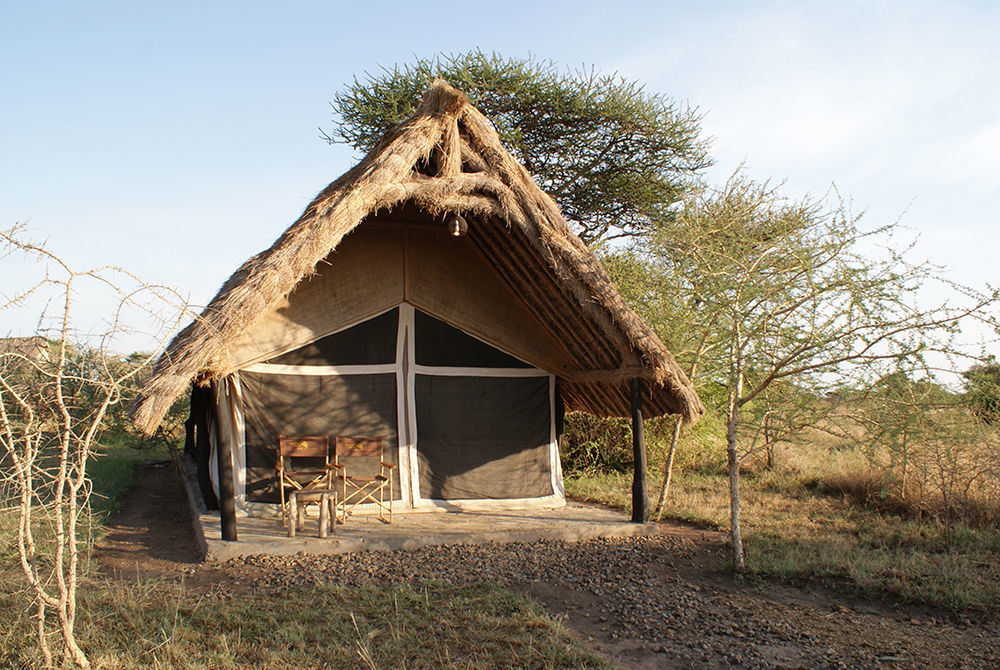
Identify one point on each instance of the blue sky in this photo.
(177, 139)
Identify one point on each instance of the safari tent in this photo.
(433, 296)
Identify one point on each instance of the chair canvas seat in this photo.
(307, 476)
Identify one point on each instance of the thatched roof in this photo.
(447, 158)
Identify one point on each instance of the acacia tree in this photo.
(933, 454)
(612, 155)
(893, 417)
(786, 295)
(982, 390)
(661, 298)
(54, 401)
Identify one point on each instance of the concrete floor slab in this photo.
(410, 529)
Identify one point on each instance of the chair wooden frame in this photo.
(311, 481)
(362, 488)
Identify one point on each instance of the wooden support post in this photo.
(201, 399)
(189, 442)
(640, 501)
(227, 494)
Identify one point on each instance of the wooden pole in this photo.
(189, 443)
(640, 501)
(201, 399)
(227, 494)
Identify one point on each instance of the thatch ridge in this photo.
(445, 135)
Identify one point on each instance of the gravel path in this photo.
(648, 602)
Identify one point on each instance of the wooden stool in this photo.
(327, 499)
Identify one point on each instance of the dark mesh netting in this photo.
(439, 344)
(351, 405)
(372, 342)
(478, 437)
(483, 437)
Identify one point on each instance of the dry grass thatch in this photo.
(447, 157)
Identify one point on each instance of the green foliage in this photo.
(775, 283)
(591, 443)
(701, 448)
(83, 370)
(612, 155)
(982, 390)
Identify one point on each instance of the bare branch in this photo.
(53, 409)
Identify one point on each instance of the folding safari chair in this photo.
(307, 480)
(359, 483)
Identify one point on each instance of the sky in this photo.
(178, 139)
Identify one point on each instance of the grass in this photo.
(161, 624)
(428, 626)
(113, 472)
(801, 522)
(156, 624)
(606, 488)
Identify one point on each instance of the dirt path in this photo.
(657, 602)
(151, 532)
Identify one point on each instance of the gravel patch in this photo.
(648, 603)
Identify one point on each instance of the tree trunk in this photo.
(668, 469)
(732, 431)
(768, 442)
(735, 535)
(902, 488)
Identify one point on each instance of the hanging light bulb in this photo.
(457, 225)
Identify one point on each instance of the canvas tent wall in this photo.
(466, 424)
(442, 375)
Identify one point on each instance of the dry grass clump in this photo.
(975, 505)
(831, 510)
(948, 471)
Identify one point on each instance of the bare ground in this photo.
(654, 602)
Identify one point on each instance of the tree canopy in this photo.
(613, 156)
(765, 298)
(982, 390)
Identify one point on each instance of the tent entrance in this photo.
(482, 421)
(466, 424)
(344, 383)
